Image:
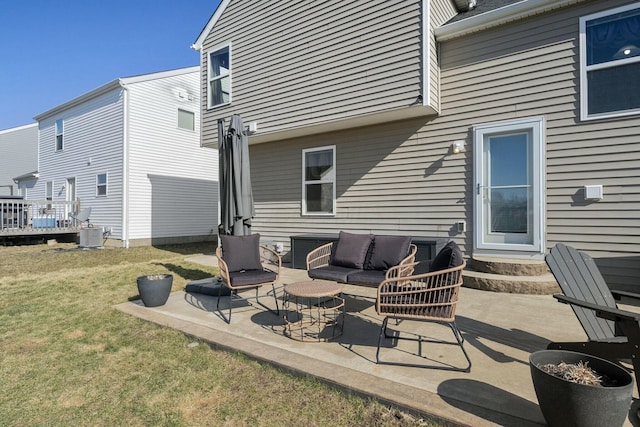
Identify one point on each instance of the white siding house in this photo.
(18, 159)
(130, 150)
(389, 87)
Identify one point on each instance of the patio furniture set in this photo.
(314, 309)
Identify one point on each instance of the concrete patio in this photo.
(500, 331)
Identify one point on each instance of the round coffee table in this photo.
(314, 310)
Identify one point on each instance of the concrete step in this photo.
(508, 267)
(543, 284)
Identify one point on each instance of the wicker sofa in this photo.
(362, 259)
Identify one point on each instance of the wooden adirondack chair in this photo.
(613, 334)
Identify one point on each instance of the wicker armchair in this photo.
(427, 297)
(245, 264)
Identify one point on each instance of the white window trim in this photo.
(584, 68)
(210, 78)
(537, 126)
(333, 181)
(186, 110)
(106, 184)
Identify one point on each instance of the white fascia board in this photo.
(159, 75)
(80, 99)
(18, 128)
(500, 16)
(197, 45)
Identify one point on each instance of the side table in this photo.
(314, 310)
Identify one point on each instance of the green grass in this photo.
(69, 358)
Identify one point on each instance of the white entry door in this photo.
(509, 186)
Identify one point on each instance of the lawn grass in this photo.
(69, 358)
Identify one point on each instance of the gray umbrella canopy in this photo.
(236, 196)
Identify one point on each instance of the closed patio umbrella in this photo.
(236, 196)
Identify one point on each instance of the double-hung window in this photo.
(219, 77)
(319, 181)
(101, 185)
(59, 135)
(610, 63)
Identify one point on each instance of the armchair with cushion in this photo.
(245, 264)
(427, 297)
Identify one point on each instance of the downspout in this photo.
(426, 70)
(125, 168)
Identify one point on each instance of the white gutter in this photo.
(500, 16)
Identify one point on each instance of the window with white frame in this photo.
(101, 184)
(610, 63)
(186, 119)
(319, 181)
(59, 134)
(219, 77)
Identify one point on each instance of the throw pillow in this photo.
(449, 256)
(351, 249)
(241, 252)
(388, 251)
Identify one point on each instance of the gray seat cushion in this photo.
(241, 252)
(366, 277)
(251, 277)
(332, 272)
(387, 251)
(351, 250)
(449, 256)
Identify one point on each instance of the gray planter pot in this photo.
(155, 291)
(565, 403)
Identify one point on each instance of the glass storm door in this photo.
(508, 187)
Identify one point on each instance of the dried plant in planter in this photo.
(579, 373)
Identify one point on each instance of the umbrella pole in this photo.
(220, 138)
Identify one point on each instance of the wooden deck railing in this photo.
(19, 216)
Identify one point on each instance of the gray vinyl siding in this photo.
(399, 178)
(93, 135)
(440, 11)
(298, 64)
(172, 180)
(18, 156)
(531, 68)
(390, 180)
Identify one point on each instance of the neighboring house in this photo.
(18, 159)
(130, 150)
(508, 127)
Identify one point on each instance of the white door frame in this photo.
(535, 128)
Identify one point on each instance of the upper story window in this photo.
(186, 119)
(59, 134)
(101, 184)
(219, 77)
(319, 181)
(610, 63)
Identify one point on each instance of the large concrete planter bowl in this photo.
(565, 403)
(155, 289)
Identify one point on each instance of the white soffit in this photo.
(500, 16)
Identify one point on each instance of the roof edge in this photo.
(159, 75)
(500, 16)
(17, 128)
(80, 99)
(197, 45)
(115, 84)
